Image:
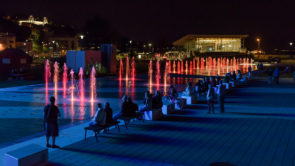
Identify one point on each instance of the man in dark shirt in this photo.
(51, 114)
(157, 100)
(109, 112)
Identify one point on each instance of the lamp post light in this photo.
(258, 43)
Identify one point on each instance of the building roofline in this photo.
(193, 36)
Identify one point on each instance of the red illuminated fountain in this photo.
(150, 76)
(65, 80)
(72, 88)
(121, 70)
(55, 79)
(92, 85)
(169, 67)
(127, 69)
(82, 92)
(166, 77)
(47, 79)
(133, 70)
(92, 89)
(158, 75)
(174, 66)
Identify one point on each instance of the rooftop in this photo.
(194, 36)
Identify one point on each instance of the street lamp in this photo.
(81, 37)
(258, 43)
(291, 43)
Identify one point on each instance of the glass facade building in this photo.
(212, 43)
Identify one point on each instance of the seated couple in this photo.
(151, 102)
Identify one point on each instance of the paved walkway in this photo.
(257, 132)
(257, 129)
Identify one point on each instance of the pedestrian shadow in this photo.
(133, 138)
(262, 114)
(180, 128)
(221, 164)
(175, 118)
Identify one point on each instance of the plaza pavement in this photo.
(257, 129)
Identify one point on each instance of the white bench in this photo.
(177, 107)
(154, 114)
(26, 156)
(233, 83)
(168, 109)
(227, 86)
(189, 99)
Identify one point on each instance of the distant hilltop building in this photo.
(212, 43)
(33, 21)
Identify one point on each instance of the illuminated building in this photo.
(32, 21)
(212, 43)
(7, 41)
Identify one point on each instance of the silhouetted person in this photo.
(147, 102)
(51, 114)
(220, 96)
(157, 100)
(132, 107)
(234, 76)
(100, 117)
(269, 75)
(109, 112)
(210, 97)
(124, 109)
(276, 75)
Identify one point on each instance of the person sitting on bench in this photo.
(188, 90)
(172, 94)
(157, 100)
(147, 103)
(100, 117)
(127, 109)
(109, 113)
(239, 75)
(132, 107)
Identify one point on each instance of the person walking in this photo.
(210, 96)
(51, 114)
(220, 95)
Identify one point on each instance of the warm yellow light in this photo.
(1, 47)
(258, 40)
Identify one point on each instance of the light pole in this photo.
(258, 43)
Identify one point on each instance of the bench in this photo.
(154, 114)
(97, 129)
(26, 156)
(168, 109)
(127, 119)
(182, 103)
(189, 99)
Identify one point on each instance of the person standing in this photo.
(51, 114)
(220, 95)
(210, 96)
(269, 75)
(276, 75)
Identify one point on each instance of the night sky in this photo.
(168, 20)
